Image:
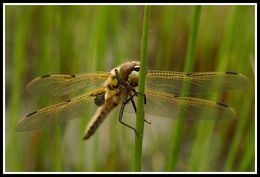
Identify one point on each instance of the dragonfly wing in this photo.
(61, 112)
(168, 105)
(62, 84)
(201, 82)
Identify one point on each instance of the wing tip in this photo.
(243, 77)
(19, 127)
(231, 110)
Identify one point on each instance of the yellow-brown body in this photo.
(115, 93)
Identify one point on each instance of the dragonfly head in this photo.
(130, 72)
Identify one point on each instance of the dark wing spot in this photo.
(230, 72)
(188, 74)
(68, 101)
(47, 75)
(221, 104)
(31, 114)
(73, 75)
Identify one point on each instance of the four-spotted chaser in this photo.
(162, 95)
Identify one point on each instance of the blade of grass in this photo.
(249, 157)
(201, 158)
(86, 57)
(140, 100)
(45, 61)
(177, 131)
(114, 152)
(128, 50)
(238, 138)
(14, 157)
(99, 52)
(244, 113)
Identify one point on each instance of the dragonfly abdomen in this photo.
(100, 115)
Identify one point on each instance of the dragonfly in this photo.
(162, 95)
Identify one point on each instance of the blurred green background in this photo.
(43, 40)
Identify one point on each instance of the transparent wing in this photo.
(61, 112)
(166, 105)
(62, 84)
(201, 82)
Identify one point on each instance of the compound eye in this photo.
(137, 68)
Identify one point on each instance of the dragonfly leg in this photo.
(130, 88)
(149, 122)
(124, 83)
(121, 116)
(133, 103)
(131, 98)
(140, 93)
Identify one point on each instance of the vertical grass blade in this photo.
(190, 57)
(243, 113)
(96, 61)
(140, 100)
(238, 137)
(249, 156)
(14, 157)
(201, 159)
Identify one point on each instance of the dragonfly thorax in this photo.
(125, 74)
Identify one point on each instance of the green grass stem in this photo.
(13, 157)
(249, 156)
(189, 62)
(201, 158)
(140, 99)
